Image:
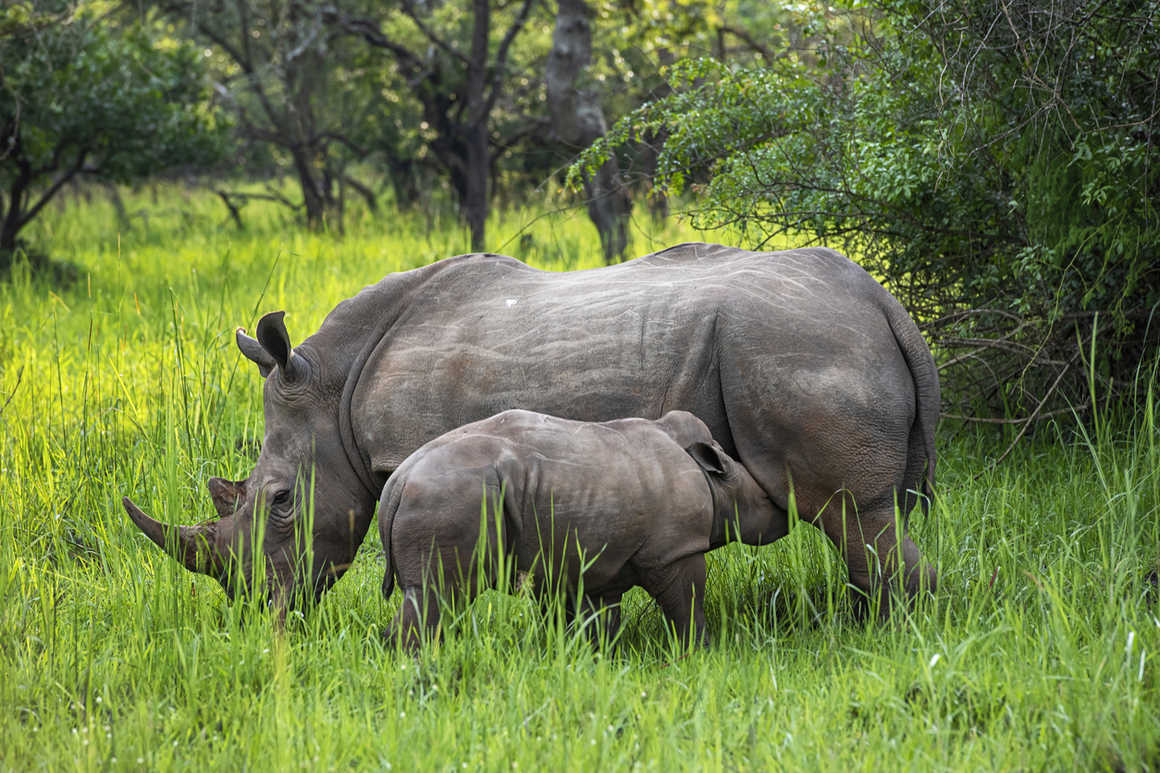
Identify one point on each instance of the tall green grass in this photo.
(1039, 652)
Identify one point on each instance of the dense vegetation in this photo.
(78, 99)
(1039, 652)
(996, 163)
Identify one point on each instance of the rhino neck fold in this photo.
(348, 336)
(359, 461)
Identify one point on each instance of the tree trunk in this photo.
(478, 161)
(11, 221)
(578, 121)
(475, 186)
(313, 197)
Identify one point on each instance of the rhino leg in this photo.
(679, 589)
(610, 615)
(438, 551)
(445, 574)
(417, 619)
(878, 559)
(604, 613)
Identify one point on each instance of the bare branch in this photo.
(1030, 419)
(438, 42)
(76, 168)
(500, 64)
(766, 55)
(369, 31)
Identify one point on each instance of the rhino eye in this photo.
(281, 499)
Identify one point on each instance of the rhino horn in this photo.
(192, 546)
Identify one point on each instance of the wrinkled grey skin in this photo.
(803, 367)
(637, 502)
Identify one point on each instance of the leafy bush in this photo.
(81, 94)
(996, 164)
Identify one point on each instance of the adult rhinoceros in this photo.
(804, 368)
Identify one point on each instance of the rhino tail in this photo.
(389, 507)
(921, 456)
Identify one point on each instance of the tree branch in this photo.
(501, 54)
(77, 167)
(363, 190)
(766, 55)
(369, 31)
(443, 45)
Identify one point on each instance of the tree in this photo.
(85, 94)
(997, 163)
(578, 121)
(606, 58)
(457, 85)
(284, 81)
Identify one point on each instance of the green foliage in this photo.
(997, 165)
(1041, 646)
(82, 94)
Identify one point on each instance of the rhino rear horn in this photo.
(275, 341)
(191, 546)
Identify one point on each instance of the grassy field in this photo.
(1041, 651)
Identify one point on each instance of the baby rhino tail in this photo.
(392, 496)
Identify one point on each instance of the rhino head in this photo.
(304, 507)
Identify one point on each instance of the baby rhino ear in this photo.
(709, 456)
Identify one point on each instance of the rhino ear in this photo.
(709, 456)
(275, 341)
(225, 494)
(254, 352)
(273, 337)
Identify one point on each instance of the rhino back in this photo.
(772, 350)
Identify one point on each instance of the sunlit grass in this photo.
(1040, 651)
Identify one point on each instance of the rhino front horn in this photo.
(192, 546)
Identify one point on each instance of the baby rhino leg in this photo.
(679, 588)
(433, 541)
(416, 620)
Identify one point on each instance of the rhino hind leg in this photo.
(608, 607)
(417, 619)
(601, 613)
(679, 589)
(447, 577)
(883, 562)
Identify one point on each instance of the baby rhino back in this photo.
(621, 495)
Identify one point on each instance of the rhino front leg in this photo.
(679, 589)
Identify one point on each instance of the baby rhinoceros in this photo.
(630, 502)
